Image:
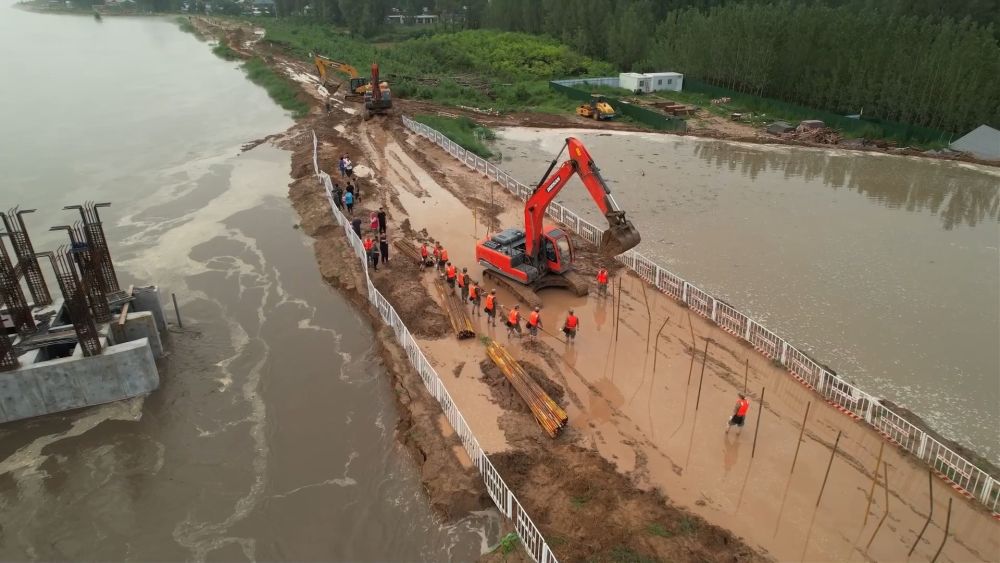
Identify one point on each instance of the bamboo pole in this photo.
(549, 415)
(798, 444)
(947, 526)
(760, 412)
(656, 347)
(694, 348)
(885, 485)
(746, 376)
(829, 464)
(930, 490)
(704, 360)
(871, 490)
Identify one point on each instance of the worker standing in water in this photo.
(570, 326)
(602, 282)
(443, 258)
(514, 321)
(534, 323)
(463, 283)
(491, 308)
(739, 414)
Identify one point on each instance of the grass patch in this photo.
(223, 51)
(688, 525)
(281, 90)
(462, 130)
(622, 554)
(507, 545)
(185, 24)
(657, 529)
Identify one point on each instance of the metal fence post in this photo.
(684, 292)
(750, 324)
(715, 307)
(784, 353)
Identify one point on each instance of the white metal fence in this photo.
(835, 390)
(502, 496)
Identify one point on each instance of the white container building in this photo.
(641, 83)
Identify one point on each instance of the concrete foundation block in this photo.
(120, 372)
(148, 299)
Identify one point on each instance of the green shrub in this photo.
(222, 50)
(462, 130)
(281, 90)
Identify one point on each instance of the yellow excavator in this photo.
(598, 108)
(359, 85)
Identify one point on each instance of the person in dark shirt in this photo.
(383, 246)
(356, 225)
(382, 223)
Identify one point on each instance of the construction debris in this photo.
(458, 313)
(674, 108)
(549, 415)
(408, 249)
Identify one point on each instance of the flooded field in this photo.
(272, 435)
(885, 268)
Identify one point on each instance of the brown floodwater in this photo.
(885, 268)
(272, 435)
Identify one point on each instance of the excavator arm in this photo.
(621, 234)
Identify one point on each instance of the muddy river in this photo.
(271, 436)
(885, 268)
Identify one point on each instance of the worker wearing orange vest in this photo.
(491, 308)
(534, 323)
(739, 414)
(450, 275)
(602, 281)
(442, 258)
(463, 284)
(474, 298)
(423, 254)
(570, 326)
(514, 321)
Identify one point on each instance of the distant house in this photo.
(263, 7)
(426, 19)
(398, 19)
(983, 142)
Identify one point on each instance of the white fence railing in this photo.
(501, 494)
(835, 390)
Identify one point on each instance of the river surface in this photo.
(272, 435)
(885, 268)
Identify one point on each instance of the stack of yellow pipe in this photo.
(548, 414)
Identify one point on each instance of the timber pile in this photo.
(408, 249)
(548, 414)
(824, 135)
(458, 314)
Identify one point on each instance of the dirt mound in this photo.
(590, 512)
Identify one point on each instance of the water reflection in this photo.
(957, 195)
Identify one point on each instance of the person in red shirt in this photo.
(442, 258)
(534, 323)
(491, 308)
(514, 321)
(570, 326)
(739, 414)
(602, 282)
(450, 275)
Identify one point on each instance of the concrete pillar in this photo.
(148, 299)
(143, 325)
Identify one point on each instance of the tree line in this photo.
(910, 61)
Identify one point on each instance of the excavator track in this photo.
(528, 294)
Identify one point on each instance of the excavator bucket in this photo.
(620, 237)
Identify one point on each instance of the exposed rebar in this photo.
(12, 296)
(27, 263)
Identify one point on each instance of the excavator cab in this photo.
(557, 250)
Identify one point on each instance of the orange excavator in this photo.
(541, 256)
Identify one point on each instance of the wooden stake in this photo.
(947, 526)
(885, 484)
(871, 491)
(746, 377)
(177, 311)
(930, 490)
(760, 411)
(799, 443)
(829, 464)
(618, 315)
(701, 380)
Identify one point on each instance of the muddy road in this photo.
(645, 467)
